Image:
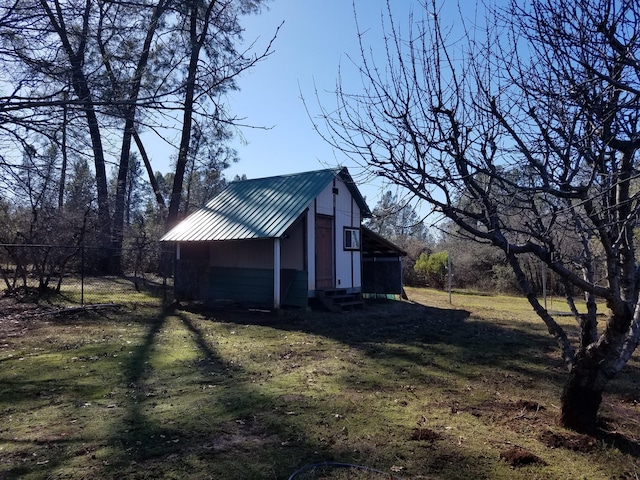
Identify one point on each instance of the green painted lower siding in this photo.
(294, 288)
(188, 280)
(255, 286)
(247, 285)
(252, 286)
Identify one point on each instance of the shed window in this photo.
(352, 239)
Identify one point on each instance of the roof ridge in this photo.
(336, 170)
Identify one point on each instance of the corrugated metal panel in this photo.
(260, 208)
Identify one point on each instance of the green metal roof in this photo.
(259, 208)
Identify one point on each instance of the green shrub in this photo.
(433, 267)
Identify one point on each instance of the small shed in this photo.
(275, 241)
(381, 265)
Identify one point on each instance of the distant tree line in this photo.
(475, 266)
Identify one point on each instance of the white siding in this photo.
(324, 201)
(357, 256)
(346, 260)
(346, 213)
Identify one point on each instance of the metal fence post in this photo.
(82, 275)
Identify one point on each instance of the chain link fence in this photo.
(68, 275)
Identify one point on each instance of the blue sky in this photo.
(316, 39)
(317, 42)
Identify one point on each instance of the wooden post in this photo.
(544, 284)
(449, 272)
(276, 273)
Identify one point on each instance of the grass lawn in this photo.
(417, 390)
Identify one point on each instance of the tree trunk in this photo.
(129, 132)
(595, 364)
(147, 165)
(196, 42)
(187, 121)
(80, 85)
(63, 167)
(582, 396)
(121, 191)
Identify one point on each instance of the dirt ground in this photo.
(17, 318)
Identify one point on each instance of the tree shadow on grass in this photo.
(405, 333)
(137, 435)
(216, 416)
(233, 428)
(399, 335)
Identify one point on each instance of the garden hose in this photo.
(340, 465)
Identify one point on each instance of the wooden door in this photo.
(324, 252)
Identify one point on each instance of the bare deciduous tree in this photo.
(525, 135)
